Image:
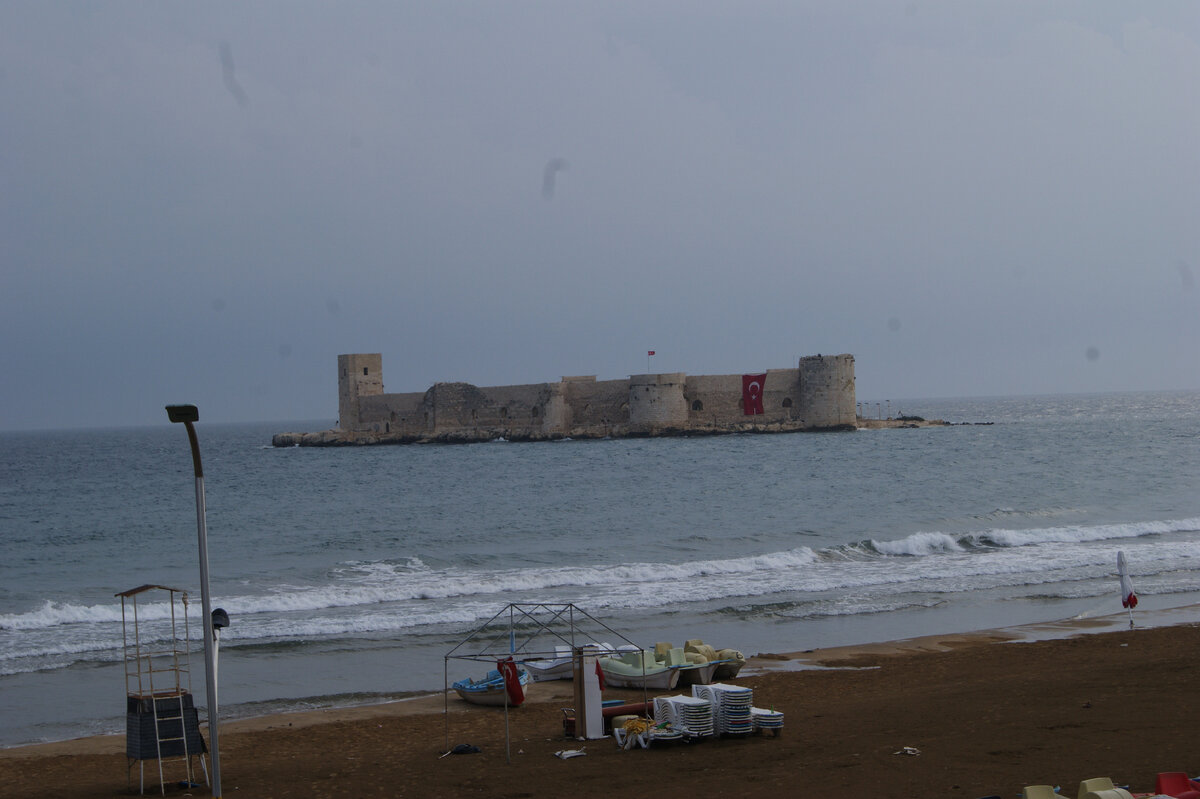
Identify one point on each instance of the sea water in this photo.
(349, 573)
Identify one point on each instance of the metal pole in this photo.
(210, 670)
(188, 414)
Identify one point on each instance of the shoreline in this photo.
(759, 664)
(949, 716)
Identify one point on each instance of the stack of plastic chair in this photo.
(1176, 784)
(1102, 788)
(687, 714)
(1040, 792)
(731, 705)
(764, 720)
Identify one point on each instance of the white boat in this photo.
(490, 690)
(559, 667)
(638, 669)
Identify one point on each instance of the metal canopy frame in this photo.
(518, 630)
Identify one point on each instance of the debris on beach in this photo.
(565, 754)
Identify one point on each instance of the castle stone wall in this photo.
(403, 414)
(827, 390)
(594, 405)
(819, 394)
(656, 401)
(712, 400)
(358, 376)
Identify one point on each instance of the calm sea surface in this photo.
(349, 573)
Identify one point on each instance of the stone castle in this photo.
(817, 395)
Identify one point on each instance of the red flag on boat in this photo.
(752, 393)
(512, 681)
(600, 674)
(649, 353)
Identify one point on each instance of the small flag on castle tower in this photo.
(648, 354)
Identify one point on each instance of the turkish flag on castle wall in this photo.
(512, 681)
(752, 393)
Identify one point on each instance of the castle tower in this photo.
(657, 401)
(827, 396)
(359, 375)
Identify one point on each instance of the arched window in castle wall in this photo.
(534, 411)
(787, 402)
(504, 413)
(697, 405)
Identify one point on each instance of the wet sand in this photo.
(986, 713)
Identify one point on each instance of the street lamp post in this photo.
(187, 414)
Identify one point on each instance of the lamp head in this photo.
(220, 618)
(183, 413)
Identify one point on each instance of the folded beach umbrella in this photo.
(1129, 598)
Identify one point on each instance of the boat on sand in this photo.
(638, 669)
(490, 689)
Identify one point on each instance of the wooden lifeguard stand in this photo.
(161, 720)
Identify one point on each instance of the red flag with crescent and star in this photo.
(752, 393)
(512, 681)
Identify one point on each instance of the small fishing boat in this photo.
(490, 689)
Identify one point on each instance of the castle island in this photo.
(817, 395)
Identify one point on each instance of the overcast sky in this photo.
(208, 202)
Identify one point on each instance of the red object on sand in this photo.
(512, 681)
(1177, 784)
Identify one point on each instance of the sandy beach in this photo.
(981, 714)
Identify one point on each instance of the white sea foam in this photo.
(838, 586)
(51, 614)
(919, 544)
(927, 543)
(369, 583)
